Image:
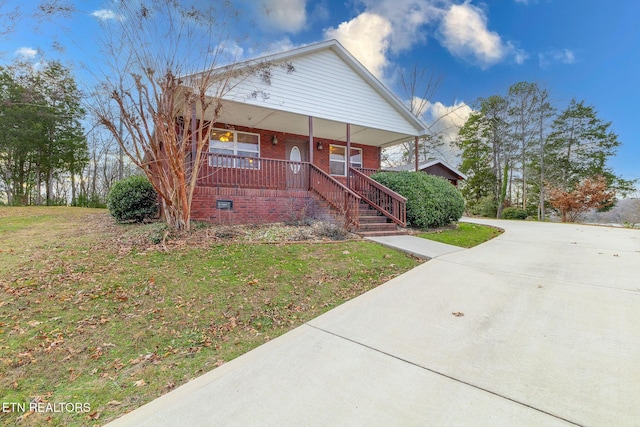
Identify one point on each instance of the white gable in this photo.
(328, 84)
(326, 87)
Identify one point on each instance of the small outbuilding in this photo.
(434, 167)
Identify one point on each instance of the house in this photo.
(304, 143)
(434, 167)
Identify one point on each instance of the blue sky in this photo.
(587, 49)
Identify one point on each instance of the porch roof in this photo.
(327, 84)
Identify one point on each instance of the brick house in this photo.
(305, 145)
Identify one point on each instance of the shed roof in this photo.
(426, 165)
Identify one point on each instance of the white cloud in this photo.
(281, 45)
(519, 55)
(563, 56)
(463, 31)
(444, 117)
(106, 15)
(320, 12)
(443, 121)
(408, 19)
(367, 38)
(26, 52)
(446, 120)
(285, 15)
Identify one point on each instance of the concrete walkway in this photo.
(421, 248)
(538, 327)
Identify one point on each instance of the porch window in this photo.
(338, 159)
(227, 143)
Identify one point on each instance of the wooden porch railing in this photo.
(389, 203)
(367, 171)
(253, 172)
(337, 195)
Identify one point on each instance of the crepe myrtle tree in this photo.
(167, 61)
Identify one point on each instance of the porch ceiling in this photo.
(252, 116)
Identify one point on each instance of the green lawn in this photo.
(464, 235)
(90, 314)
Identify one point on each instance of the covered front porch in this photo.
(287, 179)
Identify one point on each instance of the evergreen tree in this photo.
(480, 185)
(579, 147)
(41, 139)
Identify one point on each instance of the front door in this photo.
(297, 170)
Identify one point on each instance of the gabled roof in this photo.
(427, 164)
(328, 84)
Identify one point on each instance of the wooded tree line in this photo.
(520, 150)
(45, 157)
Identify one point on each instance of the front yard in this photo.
(93, 314)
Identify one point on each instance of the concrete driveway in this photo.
(538, 327)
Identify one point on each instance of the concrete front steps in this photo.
(373, 224)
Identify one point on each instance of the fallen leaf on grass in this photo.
(25, 415)
(94, 415)
(140, 383)
(114, 403)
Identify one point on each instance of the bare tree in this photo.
(166, 65)
(419, 89)
(522, 114)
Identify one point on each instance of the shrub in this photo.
(132, 199)
(514, 213)
(331, 231)
(486, 207)
(432, 201)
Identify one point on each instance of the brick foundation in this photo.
(259, 206)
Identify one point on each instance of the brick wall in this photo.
(258, 206)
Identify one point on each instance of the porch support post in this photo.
(311, 145)
(348, 155)
(193, 135)
(417, 153)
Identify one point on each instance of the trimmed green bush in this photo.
(514, 213)
(132, 199)
(432, 201)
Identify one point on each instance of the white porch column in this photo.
(417, 153)
(348, 154)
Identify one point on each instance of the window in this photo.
(338, 159)
(234, 143)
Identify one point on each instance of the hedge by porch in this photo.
(432, 201)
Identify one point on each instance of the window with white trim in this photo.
(338, 159)
(234, 143)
